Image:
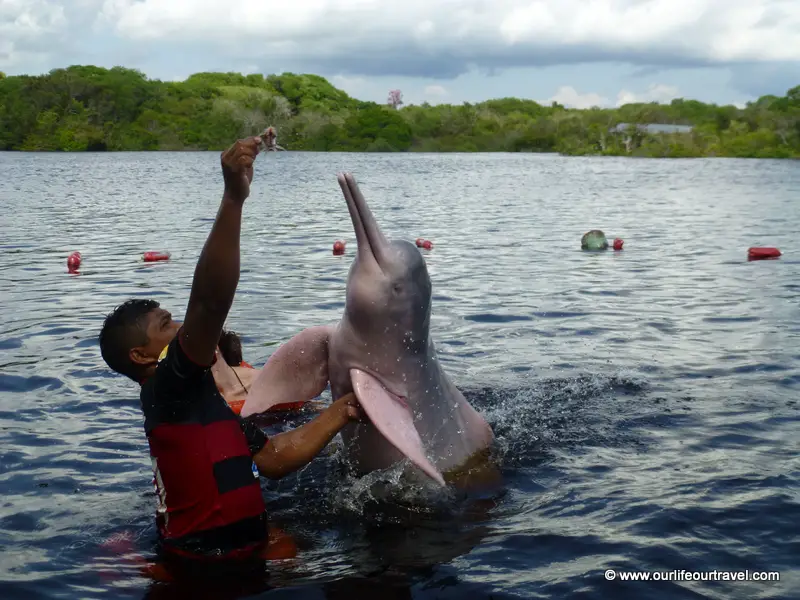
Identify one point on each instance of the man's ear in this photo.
(138, 356)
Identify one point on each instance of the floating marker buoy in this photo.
(155, 256)
(338, 248)
(762, 253)
(594, 240)
(618, 244)
(74, 261)
(423, 243)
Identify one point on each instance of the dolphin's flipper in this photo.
(391, 416)
(297, 371)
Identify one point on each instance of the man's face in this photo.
(161, 329)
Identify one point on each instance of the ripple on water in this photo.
(644, 401)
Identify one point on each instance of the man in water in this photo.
(206, 459)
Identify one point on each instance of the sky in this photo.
(580, 53)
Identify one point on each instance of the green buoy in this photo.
(594, 240)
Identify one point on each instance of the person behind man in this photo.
(235, 377)
(230, 346)
(206, 459)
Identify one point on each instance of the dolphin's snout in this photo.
(370, 239)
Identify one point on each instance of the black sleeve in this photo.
(256, 439)
(176, 384)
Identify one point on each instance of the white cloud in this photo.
(655, 93)
(21, 19)
(352, 85)
(435, 90)
(435, 40)
(571, 98)
(709, 30)
(25, 26)
(349, 81)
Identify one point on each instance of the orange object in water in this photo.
(156, 572)
(338, 248)
(280, 546)
(618, 244)
(287, 406)
(762, 253)
(127, 554)
(236, 405)
(155, 256)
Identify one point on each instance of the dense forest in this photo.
(90, 108)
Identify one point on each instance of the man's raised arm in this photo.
(217, 273)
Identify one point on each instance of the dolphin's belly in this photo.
(340, 385)
(451, 431)
(367, 450)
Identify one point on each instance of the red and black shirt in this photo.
(209, 495)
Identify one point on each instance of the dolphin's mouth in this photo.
(372, 244)
(392, 417)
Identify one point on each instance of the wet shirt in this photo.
(209, 495)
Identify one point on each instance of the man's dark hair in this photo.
(230, 346)
(125, 328)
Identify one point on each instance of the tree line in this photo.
(87, 108)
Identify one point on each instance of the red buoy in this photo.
(155, 256)
(418, 242)
(762, 253)
(338, 248)
(423, 243)
(618, 244)
(74, 261)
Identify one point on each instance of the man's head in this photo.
(134, 335)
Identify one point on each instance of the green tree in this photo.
(84, 108)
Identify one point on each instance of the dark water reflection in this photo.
(645, 402)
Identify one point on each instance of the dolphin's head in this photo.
(388, 288)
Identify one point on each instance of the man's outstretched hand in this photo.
(237, 168)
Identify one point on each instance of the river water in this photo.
(645, 401)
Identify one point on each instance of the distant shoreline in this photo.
(93, 109)
(215, 150)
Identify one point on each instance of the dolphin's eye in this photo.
(397, 288)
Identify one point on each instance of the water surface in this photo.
(645, 401)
